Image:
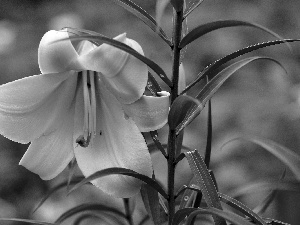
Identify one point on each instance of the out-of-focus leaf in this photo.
(160, 8)
(193, 4)
(144, 220)
(180, 110)
(26, 221)
(205, 182)
(151, 202)
(261, 208)
(242, 208)
(208, 27)
(89, 206)
(210, 70)
(192, 212)
(229, 216)
(122, 171)
(285, 155)
(153, 85)
(145, 17)
(101, 38)
(214, 84)
(56, 188)
(291, 186)
(83, 217)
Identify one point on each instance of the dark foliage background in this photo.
(259, 100)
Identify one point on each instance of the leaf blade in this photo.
(145, 17)
(215, 25)
(122, 171)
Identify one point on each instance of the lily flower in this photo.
(88, 103)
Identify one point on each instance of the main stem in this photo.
(177, 29)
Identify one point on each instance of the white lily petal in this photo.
(56, 53)
(123, 74)
(49, 155)
(149, 112)
(118, 143)
(34, 106)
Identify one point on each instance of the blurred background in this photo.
(261, 99)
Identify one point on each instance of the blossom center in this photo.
(89, 98)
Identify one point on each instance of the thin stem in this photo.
(177, 32)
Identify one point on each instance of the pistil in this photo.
(89, 96)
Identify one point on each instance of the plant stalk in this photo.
(177, 32)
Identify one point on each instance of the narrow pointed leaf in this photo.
(151, 202)
(208, 136)
(180, 109)
(242, 208)
(290, 186)
(285, 155)
(145, 17)
(192, 212)
(159, 10)
(262, 207)
(205, 182)
(88, 206)
(122, 171)
(214, 84)
(101, 38)
(209, 70)
(193, 4)
(212, 26)
(229, 216)
(26, 221)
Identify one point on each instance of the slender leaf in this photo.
(193, 4)
(145, 17)
(209, 136)
(205, 182)
(122, 171)
(212, 26)
(214, 84)
(180, 109)
(192, 212)
(159, 9)
(290, 186)
(26, 221)
(242, 208)
(210, 70)
(285, 155)
(262, 207)
(229, 216)
(89, 206)
(151, 202)
(96, 38)
(56, 188)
